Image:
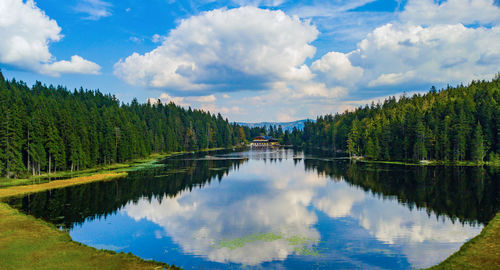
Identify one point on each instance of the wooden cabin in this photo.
(264, 141)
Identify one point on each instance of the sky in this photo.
(251, 60)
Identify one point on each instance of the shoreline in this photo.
(432, 163)
(480, 252)
(27, 242)
(25, 236)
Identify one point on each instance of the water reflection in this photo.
(278, 208)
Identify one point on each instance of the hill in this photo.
(299, 124)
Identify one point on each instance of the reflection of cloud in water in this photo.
(197, 221)
(274, 198)
(424, 238)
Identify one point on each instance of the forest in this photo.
(459, 123)
(48, 129)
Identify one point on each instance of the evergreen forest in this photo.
(459, 123)
(48, 129)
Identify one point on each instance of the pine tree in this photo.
(477, 146)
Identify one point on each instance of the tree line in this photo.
(459, 123)
(47, 129)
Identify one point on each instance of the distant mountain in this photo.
(299, 124)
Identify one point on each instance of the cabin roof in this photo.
(265, 138)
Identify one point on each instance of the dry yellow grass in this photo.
(22, 190)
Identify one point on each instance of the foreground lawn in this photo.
(30, 243)
(481, 252)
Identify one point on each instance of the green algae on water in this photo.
(242, 241)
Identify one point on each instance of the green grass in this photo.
(135, 164)
(30, 243)
(481, 252)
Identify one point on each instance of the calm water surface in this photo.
(277, 209)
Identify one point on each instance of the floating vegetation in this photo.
(297, 240)
(147, 165)
(304, 251)
(268, 237)
(242, 241)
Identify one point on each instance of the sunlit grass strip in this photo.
(481, 252)
(30, 243)
(21, 190)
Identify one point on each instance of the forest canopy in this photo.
(47, 128)
(453, 124)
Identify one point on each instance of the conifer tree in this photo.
(477, 147)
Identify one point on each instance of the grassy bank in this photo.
(103, 169)
(26, 189)
(30, 243)
(481, 252)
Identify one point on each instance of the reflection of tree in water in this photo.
(73, 205)
(466, 194)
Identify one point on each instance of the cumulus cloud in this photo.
(430, 12)
(75, 65)
(235, 49)
(337, 68)
(429, 43)
(26, 33)
(205, 99)
(95, 9)
(395, 53)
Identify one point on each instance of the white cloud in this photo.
(399, 53)
(428, 12)
(157, 38)
(95, 9)
(392, 78)
(210, 51)
(336, 67)
(205, 99)
(75, 65)
(26, 33)
(166, 98)
(428, 43)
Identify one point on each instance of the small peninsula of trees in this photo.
(47, 129)
(454, 124)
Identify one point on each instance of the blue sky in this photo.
(269, 60)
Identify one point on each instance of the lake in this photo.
(277, 209)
